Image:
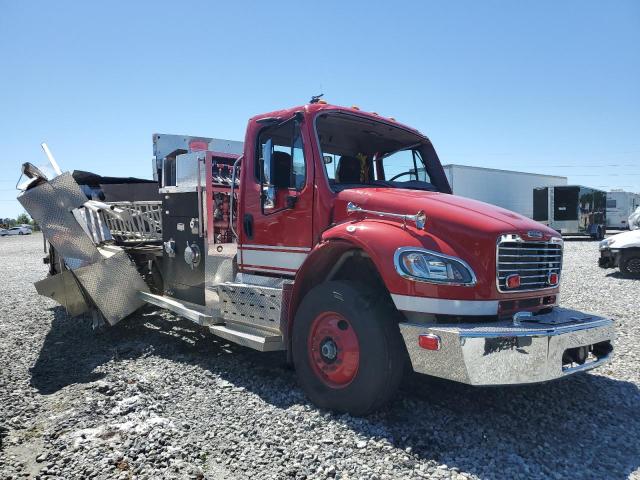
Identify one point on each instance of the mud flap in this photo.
(111, 283)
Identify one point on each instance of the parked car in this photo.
(622, 251)
(3, 232)
(19, 231)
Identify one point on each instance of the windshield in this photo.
(360, 152)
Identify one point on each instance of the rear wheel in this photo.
(347, 349)
(630, 264)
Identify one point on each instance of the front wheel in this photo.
(630, 264)
(347, 348)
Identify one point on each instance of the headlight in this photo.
(425, 265)
(606, 243)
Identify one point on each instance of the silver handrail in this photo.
(233, 186)
(199, 189)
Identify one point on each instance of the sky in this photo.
(550, 87)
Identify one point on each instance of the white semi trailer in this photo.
(620, 205)
(506, 188)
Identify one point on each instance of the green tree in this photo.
(23, 218)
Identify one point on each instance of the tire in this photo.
(598, 235)
(347, 349)
(630, 264)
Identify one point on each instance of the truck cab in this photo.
(332, 234)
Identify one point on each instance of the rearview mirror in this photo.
(327, 159)
(268, 190)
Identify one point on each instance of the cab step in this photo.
(191, 311)
(252, 338)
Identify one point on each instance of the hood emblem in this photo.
(534, 234)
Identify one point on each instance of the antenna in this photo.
(49, 155)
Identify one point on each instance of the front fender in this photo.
(380, 239)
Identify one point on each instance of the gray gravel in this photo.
(155, 397)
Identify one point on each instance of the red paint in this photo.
(334, 350)
(198, 145)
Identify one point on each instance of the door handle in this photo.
(247, 224)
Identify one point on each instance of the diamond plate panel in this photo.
(258, 307)
(113, 283)
(51, 205)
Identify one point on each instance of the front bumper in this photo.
(502, 353)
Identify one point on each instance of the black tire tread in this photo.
(378, 307)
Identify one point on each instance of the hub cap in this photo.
(334, 351)
(634, 265)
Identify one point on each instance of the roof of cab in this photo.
(323, 106)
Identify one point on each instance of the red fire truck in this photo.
(331, 234)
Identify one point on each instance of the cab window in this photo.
(287, 153)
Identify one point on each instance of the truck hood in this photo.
(449, 215)
(628, 239)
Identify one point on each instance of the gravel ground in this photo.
(156, 397)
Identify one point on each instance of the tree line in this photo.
(22, 219)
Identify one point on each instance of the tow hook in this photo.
(520, 317)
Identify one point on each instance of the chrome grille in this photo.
(532, 260)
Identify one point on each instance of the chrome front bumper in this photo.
(504, 353)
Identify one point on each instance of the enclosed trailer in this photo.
(571, 210)
(506, 188)
(620, 205)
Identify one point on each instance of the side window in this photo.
(287, 152)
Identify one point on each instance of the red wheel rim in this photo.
(334, 351)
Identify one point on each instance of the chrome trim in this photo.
(275, 247)
(505, 354)
(419, 218)
(514, 237)
(444, 306)
(402, 273)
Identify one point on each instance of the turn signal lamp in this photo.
(429, 341)
(513, 281)
(553, 278)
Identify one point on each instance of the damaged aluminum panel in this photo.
(50, 205)
(113, 284)
(64, 289)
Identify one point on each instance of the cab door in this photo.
(277, 198)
